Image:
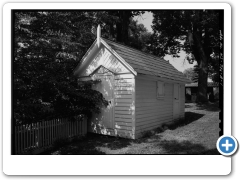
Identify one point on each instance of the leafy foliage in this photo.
(191, 74)
(139, 37)
(48, 45)
(194, 31)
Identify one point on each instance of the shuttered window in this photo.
(160, 89)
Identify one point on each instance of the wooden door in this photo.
(105, 86)
(176, 101)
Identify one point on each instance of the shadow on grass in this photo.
(189, 118)
(88, 145)
(214, 107)
(188, 106)
(186, 147)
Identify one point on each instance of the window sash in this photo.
(160, 89)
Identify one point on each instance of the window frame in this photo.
(162, 95)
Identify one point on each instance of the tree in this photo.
(47, 47)
(139, 37)
(116, 24)
(191, 74)
(194, 31)
(214, 68)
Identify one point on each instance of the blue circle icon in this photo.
(227, 145)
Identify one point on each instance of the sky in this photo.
(179, 63)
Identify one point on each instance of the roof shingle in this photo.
(145, 63)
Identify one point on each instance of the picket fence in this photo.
(36, 137)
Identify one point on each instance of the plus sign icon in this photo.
(227, 145)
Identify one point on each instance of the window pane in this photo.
(160, 88)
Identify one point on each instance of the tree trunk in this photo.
(202, 81)
(203, 70)
(122, 26)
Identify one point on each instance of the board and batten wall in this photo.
(150, 111)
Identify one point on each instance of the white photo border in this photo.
(112, 164)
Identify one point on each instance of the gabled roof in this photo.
(210, 84)
(136, 61)
(144, 63)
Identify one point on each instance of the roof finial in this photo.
(98, 35)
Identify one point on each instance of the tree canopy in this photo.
(48, 45)
(191, 74)
(194, 31)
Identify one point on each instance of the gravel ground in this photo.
(196, 134)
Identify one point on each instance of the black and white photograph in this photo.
(119, 88)
(106, 82)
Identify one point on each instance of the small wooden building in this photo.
(144, 91)
(192, 88)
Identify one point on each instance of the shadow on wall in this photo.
(119, 93)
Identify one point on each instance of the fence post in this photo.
(42, 134)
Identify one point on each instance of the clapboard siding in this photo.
(124, 115)
(153, 120)
(121, 119)
(123, 91)
(150, 111)
(124, 108)
(136, 107)
(151, 116)
(142, 125)
(144, 113)
(123, 105)
(150, 104)
(129, 124)
(149, 126)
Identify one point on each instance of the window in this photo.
(160, 90)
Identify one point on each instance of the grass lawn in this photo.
(197, 134)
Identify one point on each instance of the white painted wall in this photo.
(124, 93)
(136, 106)
(108, 60)
(123, 87)
(151, 112)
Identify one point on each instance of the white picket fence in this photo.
(41, 135)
